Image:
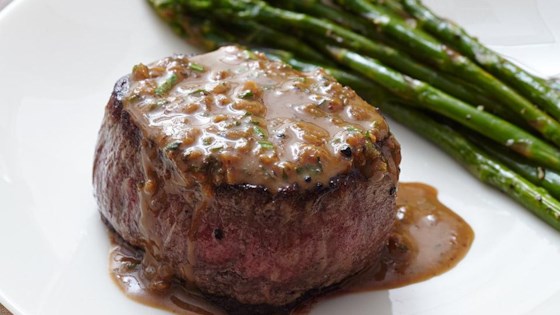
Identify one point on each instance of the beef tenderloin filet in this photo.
(244, 177)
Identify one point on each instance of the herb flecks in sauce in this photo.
(196, 67)
(249, 113)
(266, 144)
(166, 85)
(261, 134)
(246, 94)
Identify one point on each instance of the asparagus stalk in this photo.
(318, 9)
(532, 87)
(286, 19)
(255, 33)
(425, 96)
(459, 89)
(250, 31)
(480, 164)
(197, 31)
(546, 178)
(394, 6)
(450, 61)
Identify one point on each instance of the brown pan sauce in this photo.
(427, 240)
(253, 120)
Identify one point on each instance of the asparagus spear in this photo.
(546, 178)
(532, 87)
(283, 18)
(193, 28)
(450, 61)
(255, 33)
(425, 96)
(249, 30)
(319, 10)
(453, 86)
(480, 164)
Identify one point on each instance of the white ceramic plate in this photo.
(58, 62)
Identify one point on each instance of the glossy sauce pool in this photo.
(427, 240)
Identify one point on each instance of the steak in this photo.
(244, 177)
